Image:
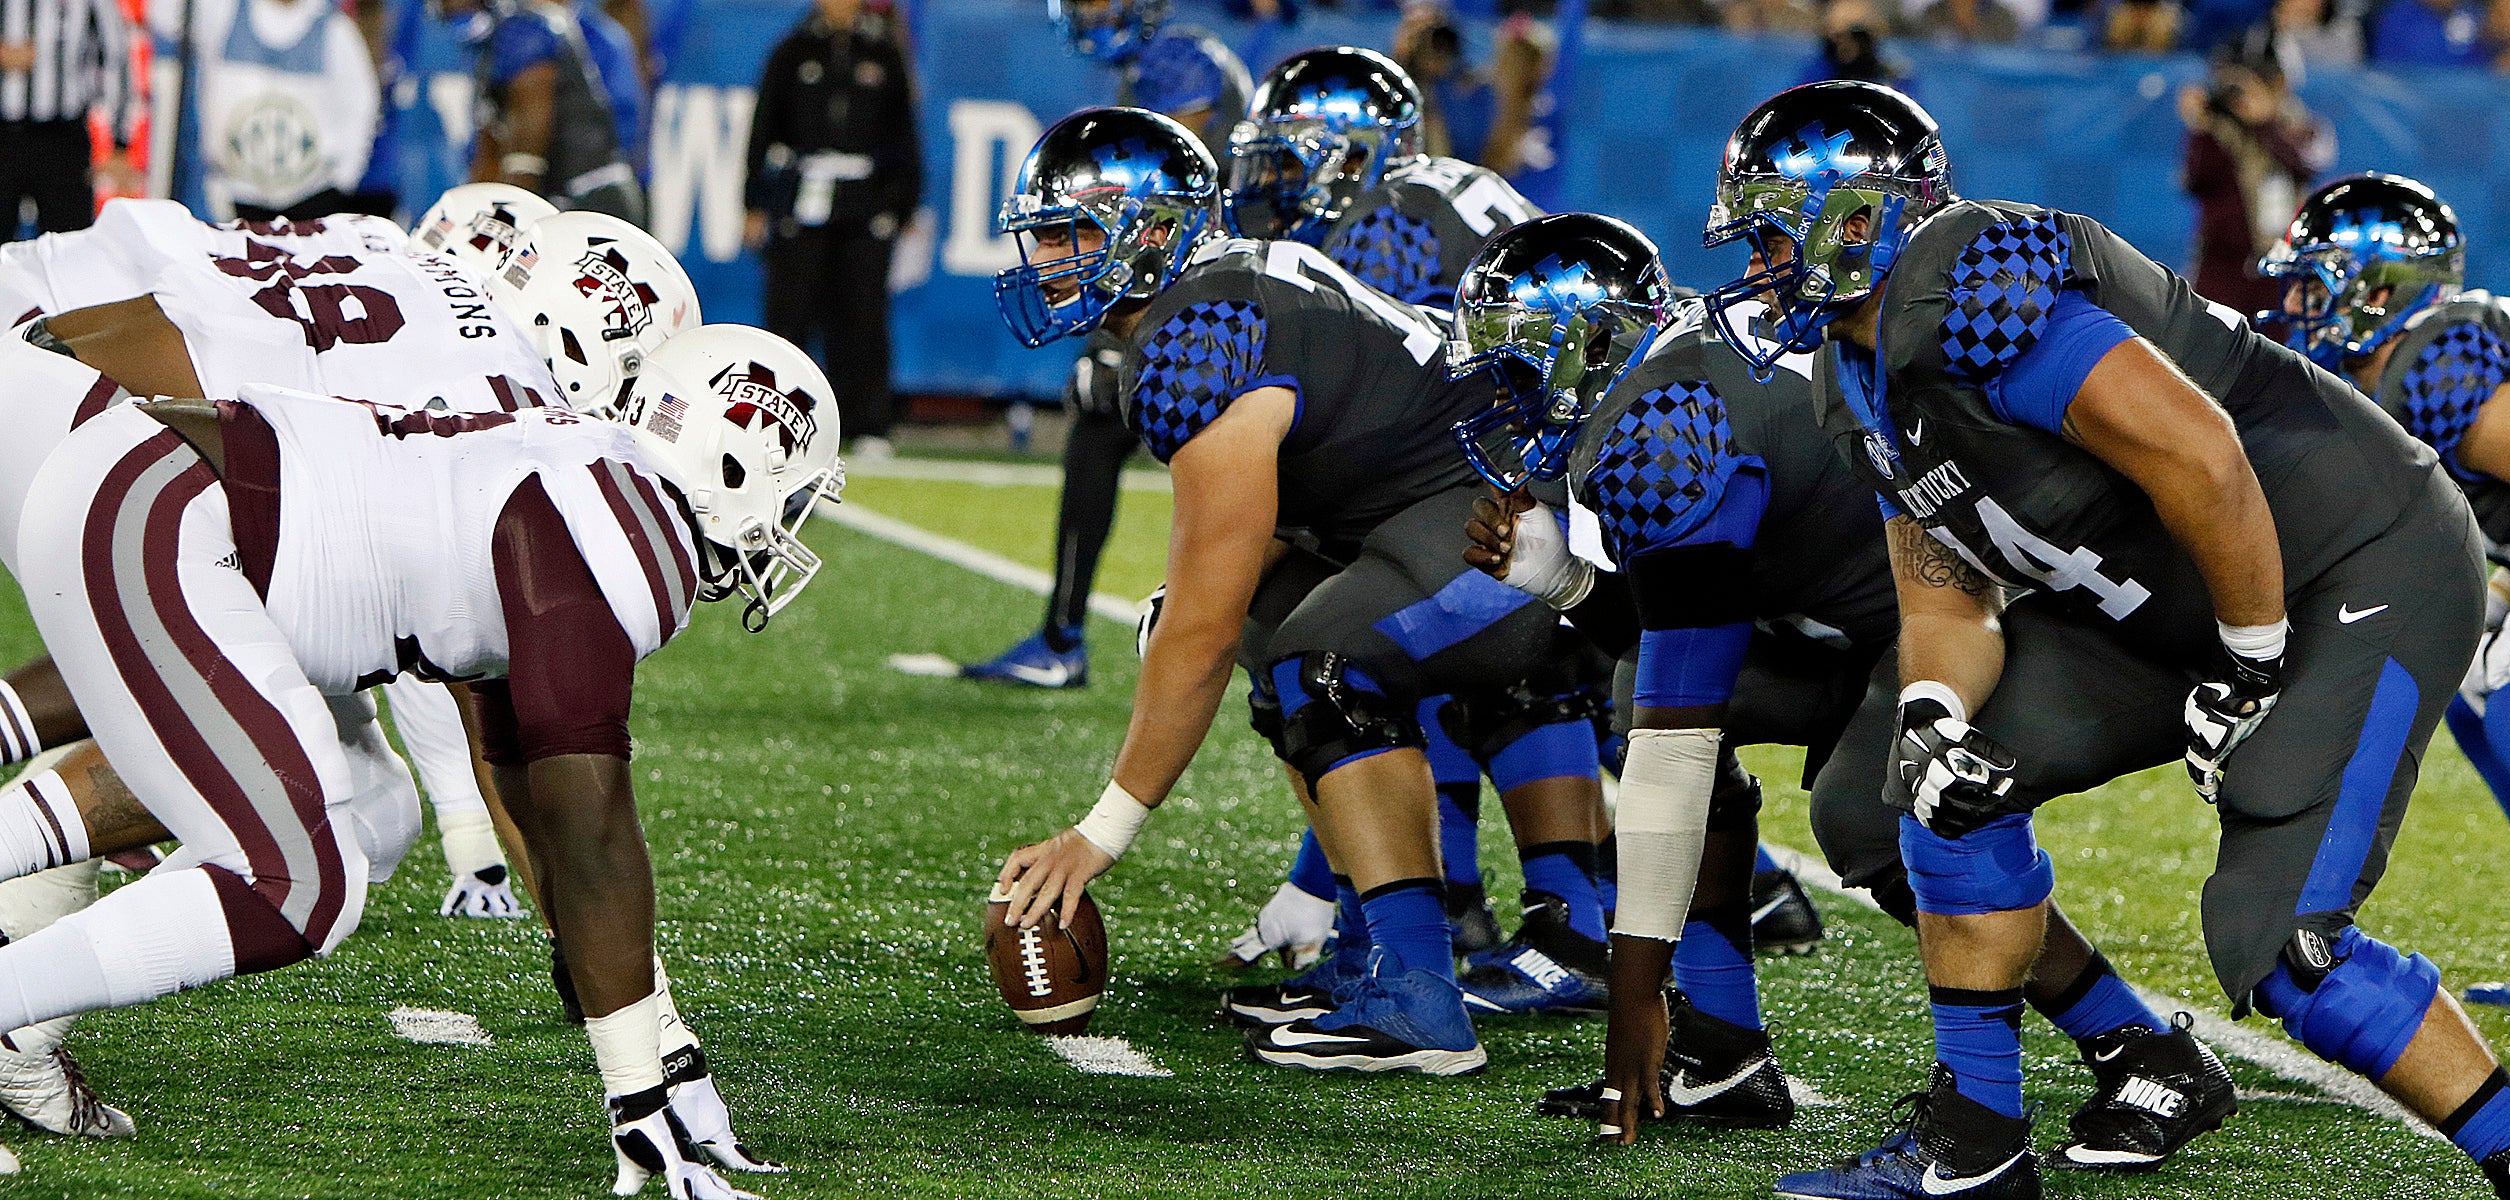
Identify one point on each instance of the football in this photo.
(1050, 976)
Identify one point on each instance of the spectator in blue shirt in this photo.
(2431, 33)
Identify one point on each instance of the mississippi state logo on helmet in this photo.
(731, 416)
(595, 295)
(478, 223)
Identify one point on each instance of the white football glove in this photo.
(655, 1144)
(2490, 672)
(704, 1115)
(1292, 922)
(478, 865)
(1539, 562)
(483, 893)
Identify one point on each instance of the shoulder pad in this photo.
(1661, 468)
(2001, 288)
(2449, 382)
(1192, 366)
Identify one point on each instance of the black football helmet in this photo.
(1796, 170)
(2361, 258)
(1555, 310)
(1321, 130)
(1140, 180)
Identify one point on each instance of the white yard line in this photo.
(2220, 1032)
(993, 474)
(436, 1027)
(1107, 1056)
(957, 553)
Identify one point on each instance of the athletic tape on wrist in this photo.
(1939, 692)
(523, 164)
(1574, 592)
(470, 841)
(2255, 641)
(1114, 821)
(627, 1046)
(1666, 783)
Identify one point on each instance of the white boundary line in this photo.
(957, 553)
(993, 474)
(2220, 1032)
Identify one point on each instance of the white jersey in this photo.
(120, 255)
(390, 570)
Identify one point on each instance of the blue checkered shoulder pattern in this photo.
(2449, 383)
(1193, 365)
(2002, 289)
(1393, 253)
(1662, 469)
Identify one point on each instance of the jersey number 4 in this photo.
(1304, 266)
(2058, 570)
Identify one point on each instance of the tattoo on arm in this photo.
(1933, 563)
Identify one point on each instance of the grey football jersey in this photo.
(1413, 234)
(2448, 362)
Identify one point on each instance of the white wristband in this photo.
(1114, 821)
(2255, 641)
(1939, 692)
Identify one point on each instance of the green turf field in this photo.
(824, 832)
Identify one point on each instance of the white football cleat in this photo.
(49, 1093)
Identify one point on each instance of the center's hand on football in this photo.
(1634, 1060)
(1049, 876)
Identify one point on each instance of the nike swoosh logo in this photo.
(1917, 433)
(1054, 677)
(1762, 913)
(1286, 1036)
(1934, 1183)
(2114, 1051)
(2346, 616)
(1687, 1096)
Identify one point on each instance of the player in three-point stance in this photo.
(2044, 409)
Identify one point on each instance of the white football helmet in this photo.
(595, 295)
(478, 223)
(745, 426)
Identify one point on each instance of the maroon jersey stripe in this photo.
(678, 538)
(99, 397)
(252, 483)
(634, 525)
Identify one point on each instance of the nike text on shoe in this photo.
(1388, 1020)
(1033, 663)
(1546, 968)
(2157, 1092)
(1952, 1146)
(1784, 920)
(1716, 1073)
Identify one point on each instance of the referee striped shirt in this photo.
(82, 63)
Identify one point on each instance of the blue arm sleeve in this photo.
(519, 43)
(2038, 385)
(1685, 668)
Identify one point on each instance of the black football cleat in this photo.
(2157, 1092)
(1310, 993)
(1784, 920)
(2497, 1173)
(1716, 1073)
(1471, 926)
(1951, 1147)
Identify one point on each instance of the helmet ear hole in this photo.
(734, 474)
(573, 348)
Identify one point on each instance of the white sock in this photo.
(17, 730)
(623, 1045)
(150, 938)
(39, 826)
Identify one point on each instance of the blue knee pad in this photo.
(2362, 1011)
(1546, 752)
(1997, 867)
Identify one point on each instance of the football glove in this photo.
(1146, 616)
(1292, 922)
(482, 893)
(703, 1114)
(1951, 777)
(2223, 711)
(1540, 564)
(651, 1142)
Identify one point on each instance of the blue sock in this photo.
(1712, 964)
(1408, 920)
(2483, 739)
(1761, 861)
(1309, 872)
(1567, 870)
(1459, 832)
(2099, 1002)
(2481, 1126)
(1350, 925)
(1979, 1036)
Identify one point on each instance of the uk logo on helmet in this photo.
(1811, 152)
(749, 391)
(601, 275)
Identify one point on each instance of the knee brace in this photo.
(1997, 867)
(2355, 1001)
(1263, 715)
(1734, 797)
(1488, 722)
(1332, 713)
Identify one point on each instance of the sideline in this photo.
(957, 553)
(994, 474)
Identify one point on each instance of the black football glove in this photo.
(1951, 777)
(2223, 711)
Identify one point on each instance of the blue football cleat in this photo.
(1951, 1147)
(1390, 1019)
(2488, 993)
(1546, 968)
(1034, 663)
(1310, 993)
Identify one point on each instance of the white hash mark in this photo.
(1107, 1056)
(436, 1027)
